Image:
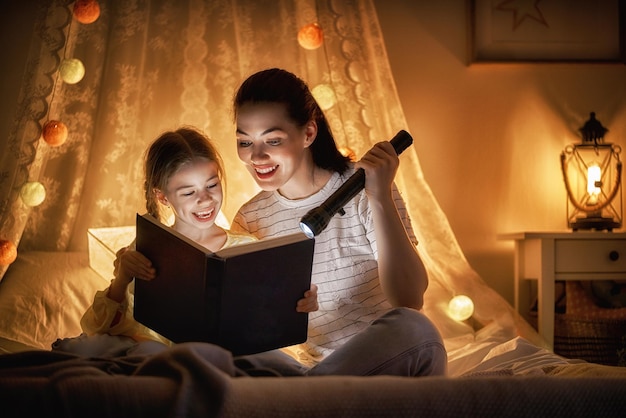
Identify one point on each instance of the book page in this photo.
(260, 245)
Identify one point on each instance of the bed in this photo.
(497, 364)
(44, 294)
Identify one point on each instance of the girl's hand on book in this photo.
(131, 264)
(309, 302)
(128, 265)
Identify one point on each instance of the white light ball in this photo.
(33, 193)
(460, 308)
(72, 70)
(324, 95)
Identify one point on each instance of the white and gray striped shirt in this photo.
(345, 266)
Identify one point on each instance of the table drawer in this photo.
(590, 256)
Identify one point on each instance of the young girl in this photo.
(370, 278)
(184, 172)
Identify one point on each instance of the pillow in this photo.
(43, 296)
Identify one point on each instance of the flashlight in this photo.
(317, 219)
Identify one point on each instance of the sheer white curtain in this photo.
(153, 65)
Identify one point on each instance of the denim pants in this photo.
(402, 342)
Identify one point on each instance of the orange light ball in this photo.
(8, 252)
(86, 11)
(54, 133)
(348, 152)
(310, 36)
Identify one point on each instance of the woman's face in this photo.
(274, 148)
(194, 193)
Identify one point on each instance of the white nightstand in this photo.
(550, 256)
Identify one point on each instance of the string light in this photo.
(8, 252)
(54, 133)
(86, 11)
(33, 193)
(460, 308)
(310, 36)
(348, 152)
(71, 70)
(324, 95)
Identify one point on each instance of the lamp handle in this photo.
(599, 206)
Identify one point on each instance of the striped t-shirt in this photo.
(345, 266)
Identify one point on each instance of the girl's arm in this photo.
(401, 271)
(112, 309)
(129, 264)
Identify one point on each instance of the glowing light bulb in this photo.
(86, 11)
(594, 181)
(348, 152)
(8, 252)
(33, 193)
(310, 36)
(54, 133)
(324, 95)
(460, 308)
(72, 70)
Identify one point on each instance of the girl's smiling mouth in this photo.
(204, 215)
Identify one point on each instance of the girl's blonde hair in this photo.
(168, 153)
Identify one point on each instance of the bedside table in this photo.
(550, 256)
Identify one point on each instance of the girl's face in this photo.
(274, 148)
(194, 193)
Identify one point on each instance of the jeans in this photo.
(402, 342)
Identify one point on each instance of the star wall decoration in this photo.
(522, 10)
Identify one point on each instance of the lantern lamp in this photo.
(592, 172)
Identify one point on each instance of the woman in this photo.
(370, 278)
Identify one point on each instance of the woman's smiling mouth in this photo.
(265, 172)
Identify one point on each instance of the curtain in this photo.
(153, 65)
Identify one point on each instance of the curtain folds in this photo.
(23, 156)
(153, 65)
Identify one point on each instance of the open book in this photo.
(242, 298)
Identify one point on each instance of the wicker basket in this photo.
(597, 340)
(583, 330)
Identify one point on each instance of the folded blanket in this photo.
(198, 379)
(186, 380)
